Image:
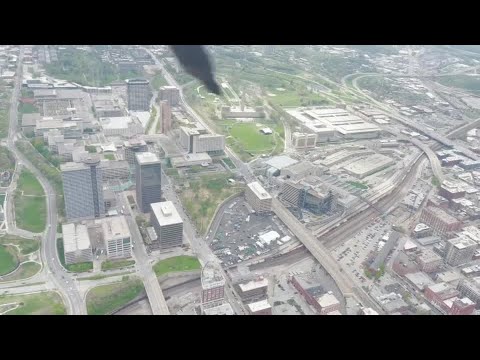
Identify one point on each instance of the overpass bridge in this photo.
(322, 255)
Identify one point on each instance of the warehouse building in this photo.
(369, 165)
(322, 121)
(441, 222)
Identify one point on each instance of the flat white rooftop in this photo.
(327, 300)
(166, 213)
(120, 122)
(114, 227)
(254, 284)
(145, 158)
(75, 237)
(259, 191)
(259, 306)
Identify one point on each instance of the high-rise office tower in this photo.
(165, 116)
(167, 224)
(83, 190)
(148, 176)
(138, 94)
(171, 94)
(132, 147)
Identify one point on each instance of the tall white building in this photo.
(116, 236)
(167, 224)
(258, 198)
(193, 141)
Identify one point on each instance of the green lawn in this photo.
(171, 172)
(91, 149)
(4, 123)
(30, 204)
(25, 108)
(7, 161)
(8, 260)
(80, 267)
(45, 303)
(229, 163)
(27, 246)
(116, 264)
(358, 185)
(24, 271)
(30, 212)
(105, 299)
(29, 184)
(50, 172)
(176, 264)
(248, 134)
(157, 81)
(109, 156)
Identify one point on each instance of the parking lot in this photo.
(241, 234)
(353, 253)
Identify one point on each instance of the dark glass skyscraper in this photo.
(148, 175)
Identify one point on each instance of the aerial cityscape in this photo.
(301, 180)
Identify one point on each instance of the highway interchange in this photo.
(56, 277)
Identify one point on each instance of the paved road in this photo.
(144, 267)
(241, 166)
(323, 256)
(56, 274)
(199, 246)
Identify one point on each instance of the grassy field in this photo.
(116, 264)
(158, 80)
(80, 267)
(46, 303)
(30, 204)
(171, 172)
(29, 184)
(30, 212)
(176, 264)
(109, 156)
(50, 172)
(8, 259)
(7, 161)
(247, 140)
(4, 123)
(358, 185)
(203, 197)
(465, 82)
(229, 163)
(105, 299)
(24, 271)
(25, 108)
